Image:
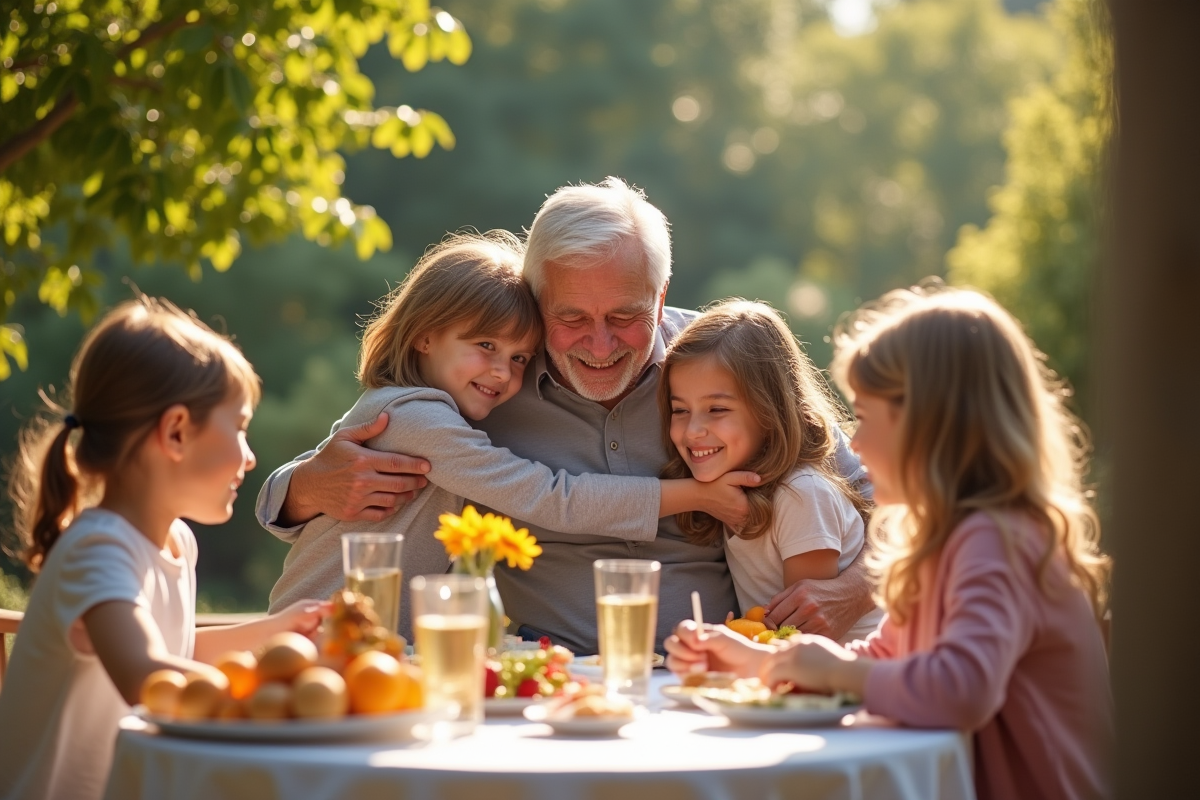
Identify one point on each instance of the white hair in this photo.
(582, 226)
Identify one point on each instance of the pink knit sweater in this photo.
(988, 650)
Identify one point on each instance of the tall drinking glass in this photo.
(626, 615)
(371, 564)
(450, 624)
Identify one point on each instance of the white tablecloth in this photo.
(670, 755)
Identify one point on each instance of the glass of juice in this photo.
(450, 625)
(371, 564)
(626, 615)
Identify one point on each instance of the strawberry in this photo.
(529, 688)
(544, 642)
(491, 680)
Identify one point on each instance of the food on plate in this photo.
(201, 695)
(778, 636)
(352, 628)
(583, 701)
(286, 655)
(161, 690)
(527, 673)
(270, 701)
(710, 680)
(359, 668)
(241, 668)
(755, 614)
(319, 693)
(378, 684)
(753, 692)
(746, 627)
(229, 708)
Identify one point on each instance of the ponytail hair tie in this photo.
(72, 422)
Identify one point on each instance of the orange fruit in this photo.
(413, 696)
(746, 627)
(227, 708)
(319, 693)
(270, 701)
(203, 693)
(240, 667)
(376, 683)
(755, 614)
(286, 655)
(161, 690)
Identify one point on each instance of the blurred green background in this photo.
(812, 154)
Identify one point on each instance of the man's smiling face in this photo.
(600, 324)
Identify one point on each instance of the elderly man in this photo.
(598, 260)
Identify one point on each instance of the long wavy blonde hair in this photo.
(785, 392)
(983, 427)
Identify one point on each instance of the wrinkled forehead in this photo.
(619, 283)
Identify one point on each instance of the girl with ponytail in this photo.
(157, 433)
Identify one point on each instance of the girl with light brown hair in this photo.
(986, 545)
(739, 393)
(156, 432)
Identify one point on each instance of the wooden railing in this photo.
(11, 620)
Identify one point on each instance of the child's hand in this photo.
(303, 616)
(815, 663)
(726, 500)
(712, 649)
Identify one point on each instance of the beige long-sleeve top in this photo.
(425, 423)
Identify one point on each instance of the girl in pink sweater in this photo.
(985, 545)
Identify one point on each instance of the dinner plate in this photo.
(507, 706)
(590, 666)
(579, 726)
(683, 695)
(757, 716)
(349, 728)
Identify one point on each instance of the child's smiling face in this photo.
(479, 372)
(712, 425)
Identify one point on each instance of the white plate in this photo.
(579, 726)
(364, 726)
(754, 716)
(507, 706)
(683, 695)
(590, 666)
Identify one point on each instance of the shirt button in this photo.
(614, 415)
(613, 445)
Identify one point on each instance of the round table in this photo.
(672, 754)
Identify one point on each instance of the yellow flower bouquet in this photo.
(476, 543)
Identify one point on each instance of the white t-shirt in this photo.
(58, 709)
(810, 514)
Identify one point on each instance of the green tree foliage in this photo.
(184, 126)
(672, 96)
(1037, 253)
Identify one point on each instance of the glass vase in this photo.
(496, 617)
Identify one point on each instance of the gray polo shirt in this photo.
(548, 423)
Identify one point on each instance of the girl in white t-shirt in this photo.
(157, 433)
(738, 393)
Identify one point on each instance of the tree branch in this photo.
(137, 83)
(153, 33)
(15, 148)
